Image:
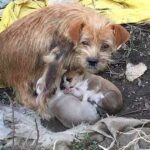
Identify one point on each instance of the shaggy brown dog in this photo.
(86, 39)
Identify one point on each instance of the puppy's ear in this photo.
(75, 30)
(79, 71)
(120, 33)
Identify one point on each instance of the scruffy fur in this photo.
(86, 35)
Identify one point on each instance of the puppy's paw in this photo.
(91, 101)
(67, 91)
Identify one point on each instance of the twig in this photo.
(112, 144)
(132, 112)
(25, 142)
(36, 142)
(137, 138)
(111, 72)
(103, 148)
(129, 144)
(54, 147)
(108, 148)
(145, 137)
(13, 123)
(132, 142)
(13, 120)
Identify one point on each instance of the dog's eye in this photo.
(86, 43)
(68, 79)
(105, 46)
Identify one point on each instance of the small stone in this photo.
(147, 105)
(139, 82)
(135, 71)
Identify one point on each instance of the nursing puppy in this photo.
(93, 88)
(68, 109)
(79, 97)
(85, 39)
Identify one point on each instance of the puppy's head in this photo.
(71, 78)
(95, 41)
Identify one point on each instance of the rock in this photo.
(135, 71)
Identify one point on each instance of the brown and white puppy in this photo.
(80, 98)
(85, 39)
(67, 108)
(93, 88)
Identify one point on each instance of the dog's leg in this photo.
(26, 96)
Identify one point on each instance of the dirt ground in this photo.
(136, 94)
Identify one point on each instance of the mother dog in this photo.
(86, 38)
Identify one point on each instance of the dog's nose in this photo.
(92, 61)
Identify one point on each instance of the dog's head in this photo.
(84, 40)
(89, 38)
(95, 42)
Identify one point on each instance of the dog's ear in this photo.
(75, 31)
(120, 33)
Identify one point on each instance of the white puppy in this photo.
(68, 109)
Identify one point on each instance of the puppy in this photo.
(74, 113)
(79, 98)
(93, 88)
(85, 39)
(70, 111)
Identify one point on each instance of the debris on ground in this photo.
(4, 131)
(135, 71)
(116, 133)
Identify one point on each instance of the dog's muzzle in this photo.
(92, 61)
